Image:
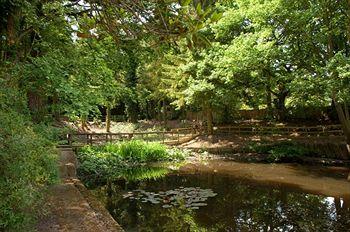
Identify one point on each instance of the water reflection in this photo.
(143, 173)
(240, 205)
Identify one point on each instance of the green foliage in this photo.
(52, 133)
(113, 160)
(27, 160)
(140, 151)
(281, 152)
(28, 165)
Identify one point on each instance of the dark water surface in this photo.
(195, 199)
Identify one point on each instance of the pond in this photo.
(229, 196)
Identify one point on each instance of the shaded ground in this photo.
(69, 206)
(141, 126)
(330, 150)
(235, 141)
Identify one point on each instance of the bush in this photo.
(27, 166)
(27, 160)
(100, 163)
(52, 133)
(281, 152)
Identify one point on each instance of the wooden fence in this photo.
(182, 135)
(329, 130)
(167, 137)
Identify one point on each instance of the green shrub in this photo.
(27, 160)
(280, 152)
(52, 133)
(110, 161)
(27, 166)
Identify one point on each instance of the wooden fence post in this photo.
(69, 138)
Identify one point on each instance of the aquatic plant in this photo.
(190, 197)
(124, 159)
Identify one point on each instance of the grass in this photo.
(99, 164)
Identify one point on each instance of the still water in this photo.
(228, 196)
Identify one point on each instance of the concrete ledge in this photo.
(71, 208)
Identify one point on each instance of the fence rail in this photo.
(166, 137)
(329, 130)
(181, 135)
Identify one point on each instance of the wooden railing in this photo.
(166, 137)
(329, 130)
(181, 135)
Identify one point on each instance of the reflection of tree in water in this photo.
(258, 208)
(342, 209)
(238, 207)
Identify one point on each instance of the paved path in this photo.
(71, 207)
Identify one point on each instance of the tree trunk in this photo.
(164, 109)
(345, 125)
(132, 111)
(346, 110)
(269, 96)
(131, 80)
(343, 121)
(108, 119)
(209, 114)
(36, 105)
(56, 110)
(280, 104)
(84, 125)
(11, 31)
(269, 103)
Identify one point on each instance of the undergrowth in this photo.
(280, 152)
(101, 163)
(27, 167)
(27, 162)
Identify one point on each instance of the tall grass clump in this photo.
(139, 151)
(100, 163)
